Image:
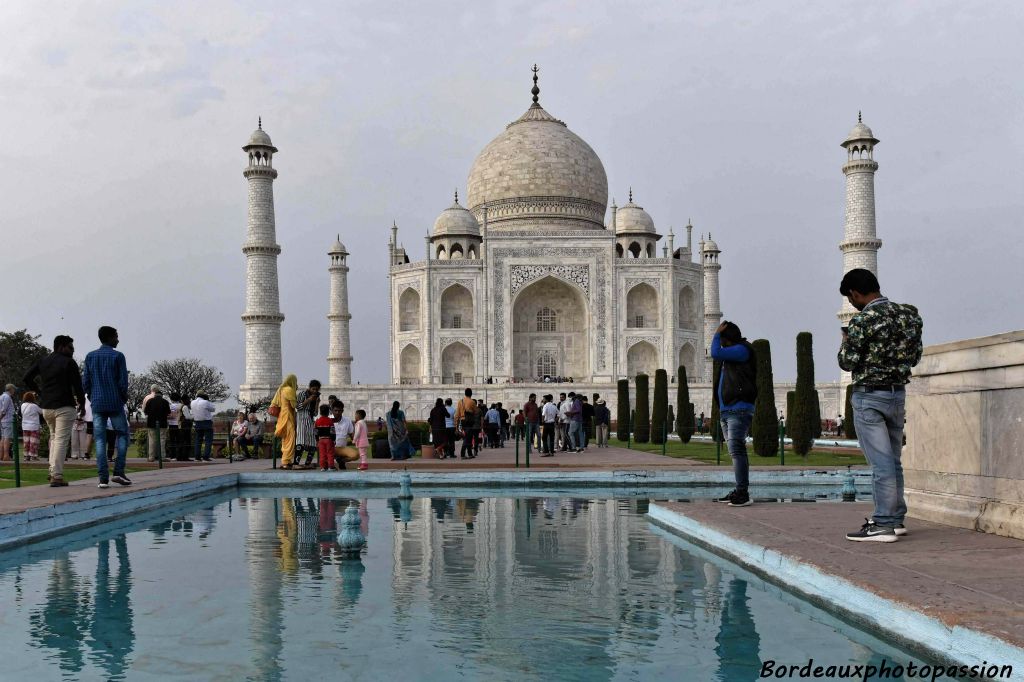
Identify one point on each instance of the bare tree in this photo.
(189, 376)
(138, 389)
(256, 405)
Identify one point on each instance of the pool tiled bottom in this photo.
(447, 587)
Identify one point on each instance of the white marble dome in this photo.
(860, 133)
(538, 173)
(632, 219)
(456, 220)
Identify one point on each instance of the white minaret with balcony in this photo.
(339, 355)
(860, 242)
(262, 317)
(709, 252)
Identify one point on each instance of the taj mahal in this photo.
(532, 279)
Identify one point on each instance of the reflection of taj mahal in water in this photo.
(531, 276)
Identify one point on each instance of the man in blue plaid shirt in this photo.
(105, 380)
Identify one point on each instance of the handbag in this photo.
(274, 410)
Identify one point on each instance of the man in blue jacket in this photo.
(105, 380)
(737, 389)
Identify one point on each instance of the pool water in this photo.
(255, 587)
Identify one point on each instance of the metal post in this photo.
(159, 450)
(629, 430)
(782, 444)
(274, 447)
(717, 435)
(527, 450)
(517, 449)
(664, 436)
(17, 454)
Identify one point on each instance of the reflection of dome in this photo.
(538, 171)
(632, 218)
(456, 220)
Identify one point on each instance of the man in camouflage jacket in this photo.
(880, 346)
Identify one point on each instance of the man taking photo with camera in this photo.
(880, 346)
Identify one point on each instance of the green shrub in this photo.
(622, 416)
(801, 420)
(764, 429)
(642, 416)
(685, 421)
(659, 412)
(716, 414)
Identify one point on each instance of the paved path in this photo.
(960, 577)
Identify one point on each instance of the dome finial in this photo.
(535, 90)
(456, 195)
(259, 124)
(858, 117)
(631, 195)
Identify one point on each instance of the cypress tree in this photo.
(790, 397)
(659, 412)
(801, 421)
(671, 418)
(716, 414)
(764, 428)
(849, 428)
(622, 416)
(685, 422)
(642, 427)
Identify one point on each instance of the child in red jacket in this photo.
(324, 426)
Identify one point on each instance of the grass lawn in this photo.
(34, 473)
(705, 452)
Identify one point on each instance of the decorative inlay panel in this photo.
(468, 341)
(653, 340)
(521, 275)
(653, 281)
(446, 282)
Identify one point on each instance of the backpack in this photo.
(469, 418)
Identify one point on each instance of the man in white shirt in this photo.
(449, 427)
(6, 422)
(563, 421)
(202, 426)
(549, 421)
(343, 426)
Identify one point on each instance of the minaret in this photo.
(860, 245)
(262, 315)
(712, 302)
(339, 355)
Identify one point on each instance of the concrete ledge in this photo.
(897, 619)
(41, 522)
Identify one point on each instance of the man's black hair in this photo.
(469, 392)
(732, 332)
(859, 280)
(315, 383)
(61, 340)
(107, 334)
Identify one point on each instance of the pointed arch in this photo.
(456, 308)
(409, 365)
(642, 307)
(409, 310)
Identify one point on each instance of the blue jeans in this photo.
(878, 416)
(202, 432)
(99, 431)
(735, 426)
(576, 434)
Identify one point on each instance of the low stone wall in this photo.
(964, 459)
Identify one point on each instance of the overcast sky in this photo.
(124, 201)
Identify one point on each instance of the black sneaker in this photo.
(728, 497)
(740, 499)
(120, 479)
(872, 532)
(103, 483)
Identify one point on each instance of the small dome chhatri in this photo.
(456, 220)
(633, 219)
(859, 133)
(338, 248)
(259, 138)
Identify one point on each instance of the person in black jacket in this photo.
(157, 409)
(737, 389)
(59, 382)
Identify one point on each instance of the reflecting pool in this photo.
(254, 586)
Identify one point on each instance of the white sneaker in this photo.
(103, 484)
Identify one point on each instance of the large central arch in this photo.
(550, 328)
